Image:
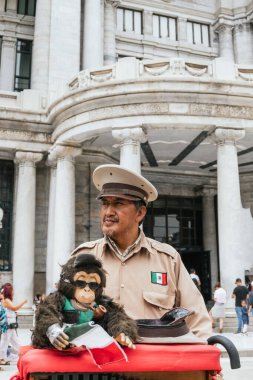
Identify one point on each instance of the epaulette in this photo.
(87, 244)
(163, 248)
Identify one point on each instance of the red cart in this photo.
(147, 362)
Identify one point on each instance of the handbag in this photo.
(13, 325)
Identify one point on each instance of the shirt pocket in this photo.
(156, 303)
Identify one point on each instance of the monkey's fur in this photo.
(50, 311)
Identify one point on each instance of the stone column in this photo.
(109, 31)
(226, 49)
(243, 42)
(8, 58)
(229, 208)
(209, 230)
(64, 214)
(50, 227)
(130, 139)
(41, 44)
(24, 231)
(65, 49)
(92, 41)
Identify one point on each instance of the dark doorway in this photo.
(6, 205)
(178, 221)
(200, 261)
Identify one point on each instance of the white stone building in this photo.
(164, 87)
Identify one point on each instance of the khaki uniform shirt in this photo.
(129, 281)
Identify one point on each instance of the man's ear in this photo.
(141, 212)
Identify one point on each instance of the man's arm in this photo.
(190, 298)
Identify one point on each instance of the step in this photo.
(25, 320)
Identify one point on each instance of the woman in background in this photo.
(218, 310)
(10, 336)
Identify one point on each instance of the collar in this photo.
(141, 242)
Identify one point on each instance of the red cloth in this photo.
(146, 358)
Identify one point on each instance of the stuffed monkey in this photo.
(78, 299)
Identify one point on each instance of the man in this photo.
(240, 293)
(146, 276)
(194, 276)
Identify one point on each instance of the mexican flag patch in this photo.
(159, 278)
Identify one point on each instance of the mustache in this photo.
(109, 219)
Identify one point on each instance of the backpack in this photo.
(3, 319)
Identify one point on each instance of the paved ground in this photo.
(244, 344)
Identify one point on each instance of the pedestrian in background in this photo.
(10, 336)
(250, 300)
(3, 320)
(240, 293)
(218, 310)
(195, 277)
(245, 317)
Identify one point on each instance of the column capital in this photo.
(222, 27)
(113, 3)
(242, 25)
(63, 152)
(224, 136)
(206, 191)
(27, 158)
(9, 41)
(127, 135)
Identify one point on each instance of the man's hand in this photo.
(57, 337)
(125, 340)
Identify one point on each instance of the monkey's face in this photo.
(86, 285)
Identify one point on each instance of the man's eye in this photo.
(119, 203)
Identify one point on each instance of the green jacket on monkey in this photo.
(79, 299)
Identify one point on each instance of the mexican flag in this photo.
(102, 347)
(159, 278)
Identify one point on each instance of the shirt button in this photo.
(122, 285)
(123, 264)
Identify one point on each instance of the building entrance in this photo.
(200, 261)
(6, 205)
(178, 221)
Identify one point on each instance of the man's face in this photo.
(119, 217)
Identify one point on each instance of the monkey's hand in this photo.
(124, 340)
(57, 337)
